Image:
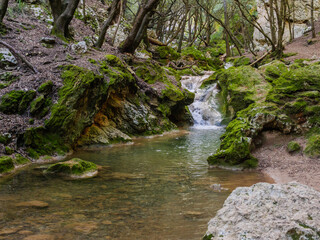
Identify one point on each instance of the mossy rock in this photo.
(239, 61)
(16, 101)
(26, 100)
(6, 164)
(241, 87)
(274, 70)
(313, 146)
(8, 150)
(40, 106)
(20, 160)
(293, 147)
(166, 52)
(5, 138)
(75, 168)
(46, 88)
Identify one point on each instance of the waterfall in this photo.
(204, 109)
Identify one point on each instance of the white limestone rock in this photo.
(7, 58)
(268, 211)
(80, 47)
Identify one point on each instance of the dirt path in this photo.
(275, 161)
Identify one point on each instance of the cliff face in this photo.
(298, 20)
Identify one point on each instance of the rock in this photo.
(48, 40)
(75, 168)
(80, 47)
(33, 204)
(6, 164)
(7, 58)
(268, 211)
(216, 187)
(293, 147)
(192, 214)
(7, 231)
(40, 237)
(84, 227)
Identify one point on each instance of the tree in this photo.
(62, 13)
(140, 25)
(3, 9)
(112, 14)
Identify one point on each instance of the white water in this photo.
(204, 109)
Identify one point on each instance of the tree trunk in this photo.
(182, 30)
(107, 23)
(139, 25)
(62, 21)
(312, 20)
(226, 23)
(3, 9)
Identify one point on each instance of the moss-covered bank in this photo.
(274, 97)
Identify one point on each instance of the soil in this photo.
(283, 167)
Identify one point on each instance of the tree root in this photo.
(23, 59)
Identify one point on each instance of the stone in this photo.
(192, 214)
(84, 227)
(7, 58)
(268, 211)
(48, 40)
(75, 168)
(7, 231)
(40, 237)
(33, 204)
(80, 47)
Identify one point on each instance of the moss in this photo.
(26, 100)
(207, 237)
(5, 139)
(166, 52)
(297, 106)
(6, 164)
(241, 61)
(313, 146)
(274, 70)
(209, 81)
(241, 87)
(20, 160)
(75, 166)
(151, 73)
(10, 101)
(46, 88)
(8, 150)
(40, 106)
(113, 61)
(293, 147)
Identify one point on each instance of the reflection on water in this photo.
(156, 188)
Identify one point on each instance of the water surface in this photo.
(155, 188)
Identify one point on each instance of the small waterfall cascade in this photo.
(204, 109)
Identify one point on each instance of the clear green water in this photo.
(156, 188)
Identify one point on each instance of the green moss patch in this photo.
(46, 88)
(20, 160)
(293, 147)
(6, 164)
(75, 166)
(16, 101)
(313, 146)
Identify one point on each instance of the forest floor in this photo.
(283, 167)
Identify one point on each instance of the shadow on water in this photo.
(155, 188)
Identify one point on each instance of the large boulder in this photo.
(268, 211)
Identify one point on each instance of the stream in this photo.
(154, 188)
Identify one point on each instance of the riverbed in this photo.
(153, 188)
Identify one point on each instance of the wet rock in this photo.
(192, 214)
(75, 168)
(33, 204)
(48, 40)
(40, 237)
(8, 231)
(216, 187)
(7, 58)
(268, 211)
(80, 47)
(83, 227)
